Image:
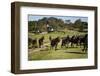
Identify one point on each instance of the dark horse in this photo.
(54, 42)
(65, 41)
(73, 40)
(41, 41)
(29, 41)
(33, 42)
(85, 42)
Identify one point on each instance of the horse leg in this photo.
(71, 44)
(86, 48)
(80, 44)
(77, 44)
(55, 47)
(83, 48)
(66, 46)
(62, 45)
(39, 44)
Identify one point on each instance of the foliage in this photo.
(80, 25)
(57, 24)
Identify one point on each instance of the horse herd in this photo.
(68, 41)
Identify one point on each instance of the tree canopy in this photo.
(57, 24)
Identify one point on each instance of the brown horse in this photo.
(65, 41)
(54, 42)
(32, 42)
(41, 41)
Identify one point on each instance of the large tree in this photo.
(80, 25)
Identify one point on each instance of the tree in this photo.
(67, 21)
(78, 24)
(57, 24)
(32, 25)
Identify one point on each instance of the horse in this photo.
(85, 43)
(54, 42)
(72, 41)
(65, 41)
(29, 41)
(32, 42)
(41, 41)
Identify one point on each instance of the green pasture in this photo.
(45, 53)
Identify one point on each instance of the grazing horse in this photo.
(54, 42)
(41, 41)
(81, 40)
(85, 42)
(72, 40)
(33, 42)
(65, 41)
(76, 40)
(29, 41)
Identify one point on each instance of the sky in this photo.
(71, 18)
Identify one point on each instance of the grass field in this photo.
(45, 53)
